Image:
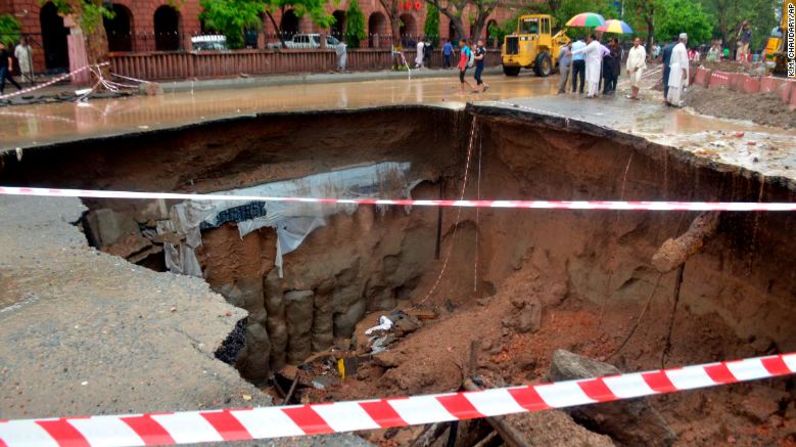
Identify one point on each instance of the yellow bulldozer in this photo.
(775, 46)
(532, 46)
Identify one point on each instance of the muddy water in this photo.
(29, 126)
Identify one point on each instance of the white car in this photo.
(209, 43)
(306, 41)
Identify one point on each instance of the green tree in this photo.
(566, 9)
(510, 26)
(231, 18)
(431, 27)
(641, 15)
(88, 14)
(9, 29)
(729, 15)
(683, 16)
(316, 9)
(355, 24)
(454, 10)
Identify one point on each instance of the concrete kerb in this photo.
(308, 78)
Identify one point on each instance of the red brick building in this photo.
(154, 25)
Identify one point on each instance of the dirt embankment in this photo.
(761, 108)
(522, 283)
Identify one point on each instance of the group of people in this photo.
(591, 63)
(23, 54)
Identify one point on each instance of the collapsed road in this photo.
(102, 335)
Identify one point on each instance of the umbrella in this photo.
(586, 20)
(615, 27)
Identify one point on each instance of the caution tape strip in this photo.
(50, 82)
(518, 204)
(325, 418)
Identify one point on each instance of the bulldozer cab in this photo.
(536, 28)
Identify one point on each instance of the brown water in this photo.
(28, 126)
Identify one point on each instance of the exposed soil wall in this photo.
(523, 282)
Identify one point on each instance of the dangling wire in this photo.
(458, 214)
(477, 212)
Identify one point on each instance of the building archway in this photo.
(491, 35)
(453, 36)
(53, 36)
(408, 28)
(167, 29)
(338, 28)
(289, 24)
(377, 30)
(119, 29)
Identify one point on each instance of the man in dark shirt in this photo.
(667, 59)
(480, 55)
(5, 69)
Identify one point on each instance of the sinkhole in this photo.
(526, 282)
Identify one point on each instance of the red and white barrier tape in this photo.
(517, 204)
(301, 420)
(50, 82)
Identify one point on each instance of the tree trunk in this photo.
(96, 41)
(480, 23)
(277, 30)
(457, 23)
(651, 32)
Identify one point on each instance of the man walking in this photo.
(342, 56)
(24, 55)
(564, 62)
(615, 66)
(480, 56)
(464, 62)
(636, 64)
(447, 52)
(593, 53)
(420, 57)
(578, 65)
(667, 58)
(6, 64)
(678, 76)
(744, 39)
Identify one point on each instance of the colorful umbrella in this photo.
(616, 27)
(586, 20)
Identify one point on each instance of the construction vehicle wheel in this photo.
(511, 71)
(543, 66)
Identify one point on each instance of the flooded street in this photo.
(41, 124)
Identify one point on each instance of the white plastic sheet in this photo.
(293, 222)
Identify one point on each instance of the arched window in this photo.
(338, 29)
(408, 29)
(289, 24)
(377, 30)
(53, 36)
(167, 29)
(119, 29)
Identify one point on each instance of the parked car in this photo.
(306, 41)
(209, 43)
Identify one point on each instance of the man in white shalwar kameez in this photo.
(678, 76)
(594, 58)
(419, 62)
(636, 64)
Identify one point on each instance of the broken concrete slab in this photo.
(103, 336)
(85, 333)
(630, 422)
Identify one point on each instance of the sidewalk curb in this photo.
(307, 78)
